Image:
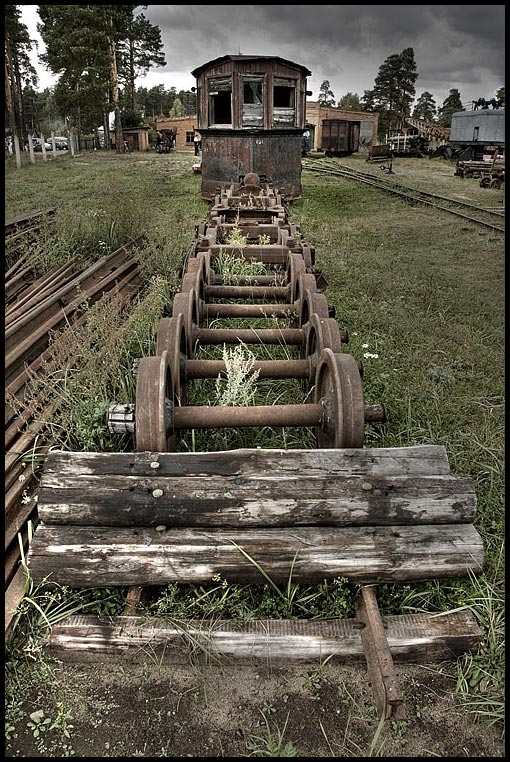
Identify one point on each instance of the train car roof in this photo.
(477, 112)
(223, 59)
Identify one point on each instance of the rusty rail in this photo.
(411, 194)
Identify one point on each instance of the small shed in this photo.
(317, 114)
(137, 138)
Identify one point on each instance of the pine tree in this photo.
(451, 104)
(326, 95)
(189, 102)
(78, 50)
(393, 91)
(500, 96)
(425, 107)
(350, 102)
(177, 108)
(140, 49)
(18, 70)
(93, 49)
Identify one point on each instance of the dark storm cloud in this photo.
(485, 23)
(454, 46)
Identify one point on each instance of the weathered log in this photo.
(255, 488)
(412, 638)
(102, 557)
(276, 500)
(421, 460)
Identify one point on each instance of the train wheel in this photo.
(485, 182)
(322, 333)
(154, 398)
(171, 338)
(495, 183)
(312, 302)
(305, 281)
(187, 304)
(338, 388)
(295, 267)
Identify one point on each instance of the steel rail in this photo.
(391, 184)
(365, 179)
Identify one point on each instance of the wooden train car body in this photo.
(251, 118)
(340, 136)
(478, 132)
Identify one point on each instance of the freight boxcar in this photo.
(340, 136)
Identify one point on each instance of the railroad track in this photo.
(487, 217)
(29, 221)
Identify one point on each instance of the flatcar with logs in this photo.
(158, 515)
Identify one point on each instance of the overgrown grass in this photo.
(422, 296)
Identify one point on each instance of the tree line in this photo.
(393, 96)
(96, 53)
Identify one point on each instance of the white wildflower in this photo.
(370, 355)
(25, 498)
(240, 384)
(364, 346)
(21, 478)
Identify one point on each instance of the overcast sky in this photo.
(459, 46)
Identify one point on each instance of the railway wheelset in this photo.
(290, 290)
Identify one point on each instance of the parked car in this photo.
(38, 145)
(61, 144)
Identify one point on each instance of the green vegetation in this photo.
(272, 744)
(422, 296)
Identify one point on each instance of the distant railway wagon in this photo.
(478, 132)
(340, 136)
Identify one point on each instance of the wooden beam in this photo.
(101, 557)
(265, 500)
(13, 597)
(412, 638)
(421, 460)
(381, 672)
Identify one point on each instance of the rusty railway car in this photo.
(340, 136)
(251, 117)
(478, 132)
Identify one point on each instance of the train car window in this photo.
(220, 101)
(253, 101)
(284, 103)
(476, 133)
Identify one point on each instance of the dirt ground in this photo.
(142, 709)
